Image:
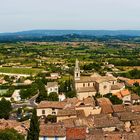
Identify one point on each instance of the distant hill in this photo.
(72, 35)
(79, 32)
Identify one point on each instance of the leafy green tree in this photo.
(33, 132)
(67, 88)
(53, 96)
(133, 74)
(136, 84)
(62, 87)
(42, 91)
(29, 92)
(98, 95)
(51, 118)
(7, 78)
(113, 98)
(5, 108)
(70, 94)
(10, 134)
(95, 66)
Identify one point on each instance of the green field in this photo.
(30, 71)
(3, 91)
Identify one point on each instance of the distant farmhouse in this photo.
(86, 86)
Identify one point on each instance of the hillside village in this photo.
(96, 108)
(69, 70)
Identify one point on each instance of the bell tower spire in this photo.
(77, 70)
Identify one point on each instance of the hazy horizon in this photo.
(69, 15)
(113, 30)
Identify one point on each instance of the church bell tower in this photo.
(77, 70)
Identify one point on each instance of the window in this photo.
(84, 85)
(105, 87)
(54, 112)
(77, 75)
(43, 111)
(88, 84)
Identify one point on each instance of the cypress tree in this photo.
(33, 132)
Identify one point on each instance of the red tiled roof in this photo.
(4, 124)
(104, 101)
(52, 130)
(76, 133)
(135, 97)
(135, 108)
(118, 108)
(132, 81)
(122, 93)
(107, 109)
(66, 112)
(106, 121)
(51, 104)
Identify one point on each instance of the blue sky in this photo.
(18, 15)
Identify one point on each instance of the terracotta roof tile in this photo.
(89, 101)
(122, 93)
(14, 124)
(52, 130)
(128, 116)
(104, 101)
(118, 108)
(132, 81)
(104, 136)
(135, 97)
(66, 113)
(135, 108)
(107, 109)
(52, 84)
(97, 79)
(117, 86)
(86, 89)
(106, 121)
(51, 104)
(80, 113)
(76, 133)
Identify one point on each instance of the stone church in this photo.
(86, 86)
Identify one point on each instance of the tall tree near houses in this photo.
(42, 91)
(33, 132)
(5, 108)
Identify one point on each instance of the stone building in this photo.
(86, 86)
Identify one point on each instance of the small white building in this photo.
(16, 95)
(124, 95)
(28, 82)
(61, 97)
(54, 75)
(52, 87)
